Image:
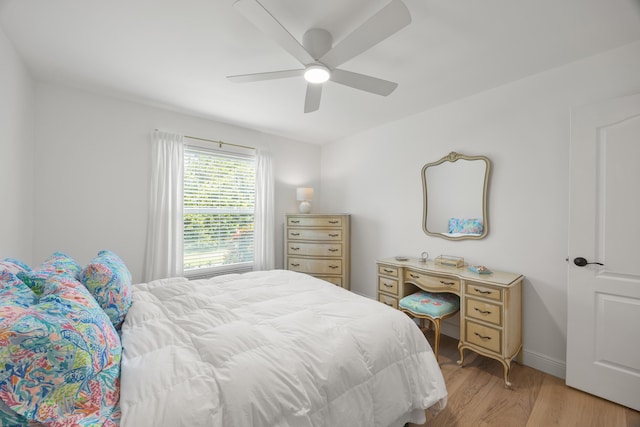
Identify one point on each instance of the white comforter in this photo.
(274, 348)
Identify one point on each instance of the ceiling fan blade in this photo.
(389, 20)
(363, 82)
(312, 99)
(255, 13)
(271, 75)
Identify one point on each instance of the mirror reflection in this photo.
(455, 197)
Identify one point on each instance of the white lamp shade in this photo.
(304, 194)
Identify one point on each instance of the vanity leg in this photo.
(461, 361)
(507, 369)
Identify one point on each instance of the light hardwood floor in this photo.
(478, 398)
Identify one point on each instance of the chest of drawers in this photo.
(490, 304)
(318, 244)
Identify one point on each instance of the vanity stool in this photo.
(433, 306)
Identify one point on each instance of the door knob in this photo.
(581, 262)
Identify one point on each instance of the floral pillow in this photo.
(57, 263)
(109, 281)
(465, 225)
(9, 418)
(454, 225)
(60, 359)
(13, 265)
(13, 292)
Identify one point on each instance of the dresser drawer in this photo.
(314, 234)
(485, 311)
(315, 266)
(315, 249)
(305, 221)
(337, 280)
(388, 270)
(387, 285)
(483, 336)
(483, 291)
(319, 245)
(432, 282)
(390, 301)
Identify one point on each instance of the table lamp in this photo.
(304, 195)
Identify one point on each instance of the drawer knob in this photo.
(295, 234)
(333, 222)
(334, 266)
(295, 221)
(485, 312)
(480, 291)
(333, 250)
(295, 265)
(294, 248)
(447, 283)
(388, 285)
(415, 276)
(333, 235)
(387, 270)
(482, 337)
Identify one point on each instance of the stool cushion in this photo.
(431, 304)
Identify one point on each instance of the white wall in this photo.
(523, 128)
(16, 154)
(92, 165)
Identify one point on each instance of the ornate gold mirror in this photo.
(455, 197)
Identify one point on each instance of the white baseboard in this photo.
(450, 329)
(544, 363)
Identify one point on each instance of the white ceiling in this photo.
(177, 53)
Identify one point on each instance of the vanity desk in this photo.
(490, 304)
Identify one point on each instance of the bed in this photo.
(273, 348)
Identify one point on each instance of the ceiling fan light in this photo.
(317, 74)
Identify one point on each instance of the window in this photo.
(219, 199)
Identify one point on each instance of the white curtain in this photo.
(163, 256)
(264, 214)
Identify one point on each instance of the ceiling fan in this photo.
(316, 53)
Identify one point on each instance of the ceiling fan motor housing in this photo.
(317, 42)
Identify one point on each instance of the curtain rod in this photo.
(220, 143)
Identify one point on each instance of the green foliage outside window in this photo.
(219, 193)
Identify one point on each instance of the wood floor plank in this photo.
(478, 397)
(632, 417)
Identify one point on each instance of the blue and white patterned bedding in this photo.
(274, 348)
(59, 351)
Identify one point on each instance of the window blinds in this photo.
(219, 199)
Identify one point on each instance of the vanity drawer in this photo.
(315, 266)
(485, 311)
(315, 249)
(432, 282)
(390, 301)
(314, 234)
(483, 336)
(305, 221)
(483, 291)
(388, 285)
(388, 270)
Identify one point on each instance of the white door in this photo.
(603, 329)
